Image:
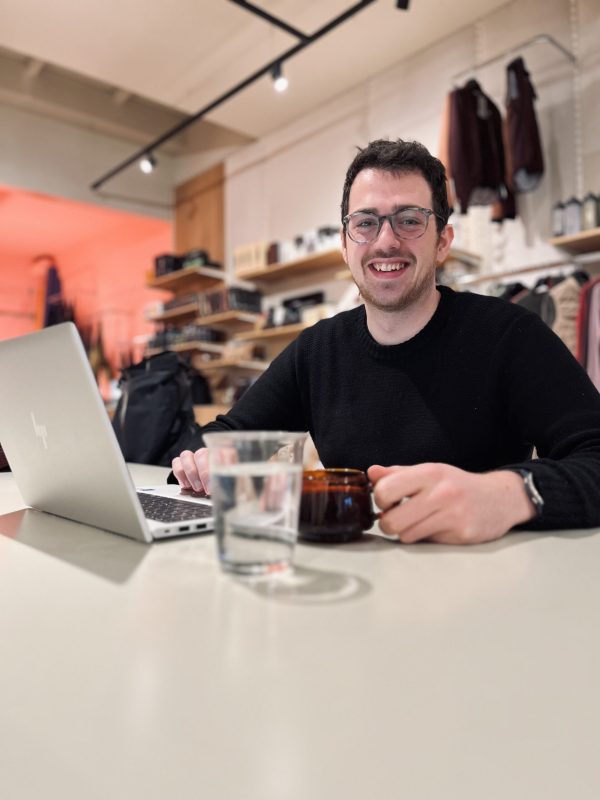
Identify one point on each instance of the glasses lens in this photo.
(410, 223)
(363, 227)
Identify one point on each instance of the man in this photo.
(440, 395)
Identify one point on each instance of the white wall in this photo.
(291, 181)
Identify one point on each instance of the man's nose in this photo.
(386, 232)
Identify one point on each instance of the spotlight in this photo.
(147, 163)
(280, 82)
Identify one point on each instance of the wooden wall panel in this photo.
(199, 214)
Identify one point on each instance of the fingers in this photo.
(191, 470)
(376, 472)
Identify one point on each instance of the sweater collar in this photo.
(418, 341)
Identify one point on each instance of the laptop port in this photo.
(184, 528)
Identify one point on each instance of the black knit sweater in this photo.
(481, 385)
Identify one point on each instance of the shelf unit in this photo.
(189, 347)
(196, 279)
(229, 320)
(280, 332)
(172, 314)
(326, 259)
(234, 363)
(583, 242)
(205, 356)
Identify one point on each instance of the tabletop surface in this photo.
(374, 670)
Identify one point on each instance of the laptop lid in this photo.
(57, 435)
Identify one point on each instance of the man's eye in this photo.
(409, 222)
(367, 222)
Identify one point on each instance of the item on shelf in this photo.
(152, 310)
(290, 310)
(328, 238)
(310, 315)
(572, 216)
(167, 263)
(187, 299)
(199, 258)
(233, 298)
(590, 212)
(558, 219)
(251, 256)
(244, 351)
(162, 340)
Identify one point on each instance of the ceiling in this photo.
(137, 68)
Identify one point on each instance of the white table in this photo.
(378, 671)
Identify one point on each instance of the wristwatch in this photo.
(531, 489)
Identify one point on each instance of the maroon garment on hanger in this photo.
(523, 132)
(476, 149)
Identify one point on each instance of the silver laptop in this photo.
(62, 449)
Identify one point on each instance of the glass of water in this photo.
(256, 483)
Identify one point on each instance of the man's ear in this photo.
(444, 243)
(343, 244)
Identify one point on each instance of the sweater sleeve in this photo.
(273, 402)
(554, 405)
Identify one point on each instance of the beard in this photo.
(411, 295)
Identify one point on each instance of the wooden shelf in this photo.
(192, 279)
(188, 347)
(234, 363)
(279, 332)
(463, 256)
(583, 242)
(324, 260)
(206, 413)
(188, 310)
(229, 319)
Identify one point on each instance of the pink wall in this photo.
(103, 257)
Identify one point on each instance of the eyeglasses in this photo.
(409, 222)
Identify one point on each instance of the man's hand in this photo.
(191, 470)
(448, 505)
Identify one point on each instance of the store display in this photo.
(572, 216)
(590, 212)
(558, 219)
(194, 259)
(167, 263)
(232, 298)
(188, 333)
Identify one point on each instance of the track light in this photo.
(280, 82)
(147, 163)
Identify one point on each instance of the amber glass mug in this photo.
(335, 505)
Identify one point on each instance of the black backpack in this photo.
(154, 419)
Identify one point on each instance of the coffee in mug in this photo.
(335, 505)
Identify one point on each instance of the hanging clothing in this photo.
(523, 132)
(476, 149)
(592, 364)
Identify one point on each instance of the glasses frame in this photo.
(381, 218)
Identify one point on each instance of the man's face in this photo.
(413, 260)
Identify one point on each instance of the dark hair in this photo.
(401, 156)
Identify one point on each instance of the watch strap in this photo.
(531, 489)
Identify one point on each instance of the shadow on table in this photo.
(308, 586)
(104, 554)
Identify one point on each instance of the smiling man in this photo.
(441, 396)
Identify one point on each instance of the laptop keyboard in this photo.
(169, 509)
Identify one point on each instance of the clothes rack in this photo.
(542, 38)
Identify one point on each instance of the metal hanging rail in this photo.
(542, 38)
(305, 41)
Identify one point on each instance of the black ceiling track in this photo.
(305, 41)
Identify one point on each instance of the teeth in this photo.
(388, 267)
